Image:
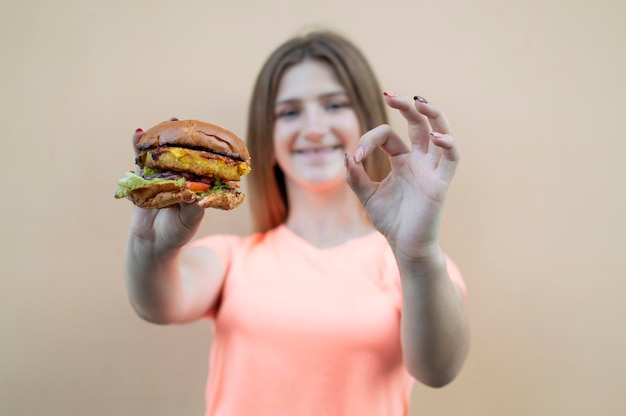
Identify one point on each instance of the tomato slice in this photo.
(196, 186)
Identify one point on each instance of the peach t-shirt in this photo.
(302, 331)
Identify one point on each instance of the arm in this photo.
(435, 336)
(406, 207)
(173, 285)
(168, 283)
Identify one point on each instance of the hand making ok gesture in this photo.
(407, 205)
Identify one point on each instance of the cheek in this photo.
(281, 142)
(282, 133)
(351, 130)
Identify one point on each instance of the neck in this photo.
(326, 218)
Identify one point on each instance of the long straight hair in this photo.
(267, 190)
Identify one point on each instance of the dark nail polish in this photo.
(139, 131)
(420, 99)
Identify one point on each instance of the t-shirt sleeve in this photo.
(221, 244)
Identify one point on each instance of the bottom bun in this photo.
(226, 201)
(167, 194)
(160, 195)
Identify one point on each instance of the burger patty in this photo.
(195, 161)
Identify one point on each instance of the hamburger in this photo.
(186, 161)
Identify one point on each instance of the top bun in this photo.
(194, 134)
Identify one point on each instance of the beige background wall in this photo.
(535, 218)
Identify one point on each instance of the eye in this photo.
(337, 105)
(287, 112)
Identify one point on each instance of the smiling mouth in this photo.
(325, 149)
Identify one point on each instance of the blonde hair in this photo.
(267, 190)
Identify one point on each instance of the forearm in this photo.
(435, 334)
(153, 281)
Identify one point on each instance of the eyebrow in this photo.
(321, 97)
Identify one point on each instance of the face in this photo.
(315, 126)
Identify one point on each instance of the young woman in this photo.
(342, 297)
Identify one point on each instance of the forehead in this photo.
(310, 78)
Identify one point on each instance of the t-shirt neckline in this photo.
(291, 235)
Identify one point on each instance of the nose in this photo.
(315, 124)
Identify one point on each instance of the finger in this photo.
(437, 120)
(450, 154)
(418, 125)
(385, 138)
(136, 136)
(190, 215)
(358, 180)
(142, 222)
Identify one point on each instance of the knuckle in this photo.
(385, 128)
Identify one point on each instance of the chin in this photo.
(323, 184)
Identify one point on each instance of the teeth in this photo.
(320, 150)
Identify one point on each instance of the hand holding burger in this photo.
(187, 161)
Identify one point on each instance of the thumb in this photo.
(190, 215)
(358, 180)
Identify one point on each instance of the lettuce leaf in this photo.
(219, 187)
(131, 181)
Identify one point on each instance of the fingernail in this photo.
(437, 135)
(389, 94)
(358, 155)
(173, 119)
(139, 131)
(420, 99)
